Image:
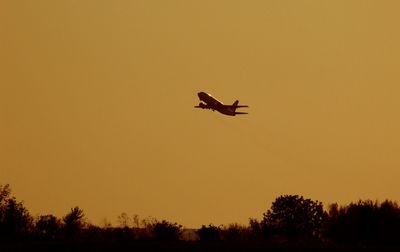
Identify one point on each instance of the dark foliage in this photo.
(292, 221)
(210, 233)
(14, 217)
(48, 226)
(294, 217)
(73, 222)
(235, 233)
(364, 222)
(166, 231)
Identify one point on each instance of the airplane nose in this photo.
(199, 94)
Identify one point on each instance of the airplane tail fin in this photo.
(234, 105)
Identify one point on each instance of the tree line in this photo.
(291, 221)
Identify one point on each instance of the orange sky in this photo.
(96, 105)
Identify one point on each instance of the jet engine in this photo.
(202, 105)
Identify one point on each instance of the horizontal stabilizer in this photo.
(242, 106)
(240, 113)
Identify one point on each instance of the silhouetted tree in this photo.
(259, 230)
(210, 233)
(136, 221)
(294, 217)
(48, 226)
(5, 192)
(124, 220)
(73, 222)
(165, 230)
(364, 222)
(389, 223)
(235, 233)
(15, 219)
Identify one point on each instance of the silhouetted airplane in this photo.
(214, 104)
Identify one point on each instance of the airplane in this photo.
(214, 104)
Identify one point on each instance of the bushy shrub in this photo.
(209, 233)
(166, 231)
(48, 226)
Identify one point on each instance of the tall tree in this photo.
(294, 216)
(14, 217)
(73, 222)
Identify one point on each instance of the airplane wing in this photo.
(240, 113)
(203, 106)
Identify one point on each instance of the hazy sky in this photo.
(96, 105)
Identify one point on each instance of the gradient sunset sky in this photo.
(96, 105)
